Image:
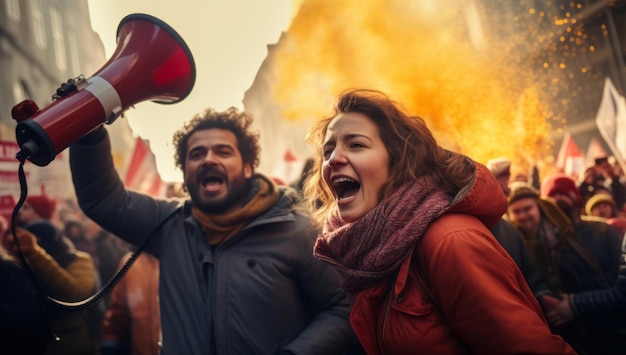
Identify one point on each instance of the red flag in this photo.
(142, 174)
(594, 151)
(570, 160)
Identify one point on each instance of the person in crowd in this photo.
(601, 175)
(131, 325)
(501, 170)
(589, 180)
(405, 223)
(24, 327)
(109, 250)
(76, 232)
(63, 272)
(602, 240)
(594, 304)
(565, 260)
(602, 205)
(511, 239)
(615, 179)
(620, 177)
(237, 274)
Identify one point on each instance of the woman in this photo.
(405, 223)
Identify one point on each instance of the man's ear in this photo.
(247, 170)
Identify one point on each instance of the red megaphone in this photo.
(151, 62)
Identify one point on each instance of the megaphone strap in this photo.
(107, 95)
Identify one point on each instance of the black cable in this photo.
(22, 155)
(104, 291)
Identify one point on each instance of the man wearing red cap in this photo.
(35, 208)
(597, 235)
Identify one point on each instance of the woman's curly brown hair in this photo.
(413, 150)
(232, 120)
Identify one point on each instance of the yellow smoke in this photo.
(467, 70)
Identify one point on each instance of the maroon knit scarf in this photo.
(371, 249)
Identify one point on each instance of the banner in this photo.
(53, 180)
(570, 160)
(611, 121)
(142, 174)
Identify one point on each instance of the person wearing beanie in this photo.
(501, 170)
(36, 208)
(42, 205)
(602, 205)
(512, 241)
(569, 263)
(591, 231)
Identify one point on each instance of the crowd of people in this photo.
(579, 254)
(388, 244)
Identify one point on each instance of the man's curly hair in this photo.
(232, 120)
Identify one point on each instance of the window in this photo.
(39, 24)
(57, 39)
(73, 47)
(13, 10)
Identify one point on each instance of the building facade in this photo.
(43, 44)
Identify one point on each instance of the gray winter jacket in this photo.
(260, 292)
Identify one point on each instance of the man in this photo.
(569, 264)
(597, 235)
(237, 272)
(512, 241)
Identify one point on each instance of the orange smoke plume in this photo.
(470, 72)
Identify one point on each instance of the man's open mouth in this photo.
(211, 178)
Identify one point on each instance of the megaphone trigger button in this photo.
(24, 110)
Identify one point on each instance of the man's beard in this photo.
(569, 210)
(238, 188)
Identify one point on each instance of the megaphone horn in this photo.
(151, 62)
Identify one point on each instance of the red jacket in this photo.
(482, 302)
